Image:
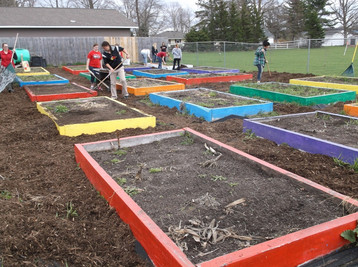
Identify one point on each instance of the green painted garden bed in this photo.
(283, 92)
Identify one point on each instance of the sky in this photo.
(187, 3)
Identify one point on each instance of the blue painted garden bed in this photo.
(152, 73)
(308, 142)
(133, 68)
(173, 99)
(38, 80)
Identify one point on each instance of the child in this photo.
(177, 54)
(94, 58)
(161, 58)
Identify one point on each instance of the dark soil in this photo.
(143, 82)
(38, 169)
(336, 129)
(330, 79)
(56, 89)
(293, 89)
(88, 110)
(210, 98)
(33, 69)
(174, 187)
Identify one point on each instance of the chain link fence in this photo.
(316, 56)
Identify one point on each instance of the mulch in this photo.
(40, 180)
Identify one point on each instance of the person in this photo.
(177, 55)
(6, 55)
(145, 54)
(161, 59)
(94, 60)
(154, 52)
(260, 59)
(163, 47)
(113, 61)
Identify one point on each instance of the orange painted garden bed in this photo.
(210, 78)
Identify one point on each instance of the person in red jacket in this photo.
(6, 56)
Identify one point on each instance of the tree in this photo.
(295, 18)
(179, 18)
(7, 3)
(94, 4)
(234, 33)
(274, 18)
(194, 35)
(56, 3)
(315, 13)
(146, 13)
(256, 22)
(346, 14)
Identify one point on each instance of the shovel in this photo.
(350, 70)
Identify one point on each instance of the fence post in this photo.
(197, 54)
(224, 54)
(308, 56)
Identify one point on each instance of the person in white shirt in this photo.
(146, 54)
(177, 55)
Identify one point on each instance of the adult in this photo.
(161, 59)
(154, 52)
(94, 61)
(260, 59)
(6, 57)
(114, 62)
(145, 55)
(177, 55)
(163, 47)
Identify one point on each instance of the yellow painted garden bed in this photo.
(34, 71)
(314, 81)
(121, 116)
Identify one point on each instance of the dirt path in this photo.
(40, 179)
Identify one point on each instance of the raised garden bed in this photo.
(146, 86)
(88, 76)
(58, 91)
(315, 132)
(207, 69)
(34, 71)
(93, 115)
(40, 79)
(133, 67)
(75, 70)
(335, 82)
(209, 104)
(240, 211)
(351, 109)
(283, 92)
(157, 73)
(210, 78)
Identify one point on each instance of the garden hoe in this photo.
(350, 70)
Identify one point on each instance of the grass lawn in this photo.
(323, 61)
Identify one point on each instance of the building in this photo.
(335, 37)
(63, 22)
(174, 37)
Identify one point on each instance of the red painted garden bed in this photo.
(75, 70)
(56, 92)
(288, 250)
(208, 78)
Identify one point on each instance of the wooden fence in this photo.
(70, 50)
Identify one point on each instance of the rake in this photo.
(350, 70)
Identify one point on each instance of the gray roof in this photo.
(42, 17)
(171, 35)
